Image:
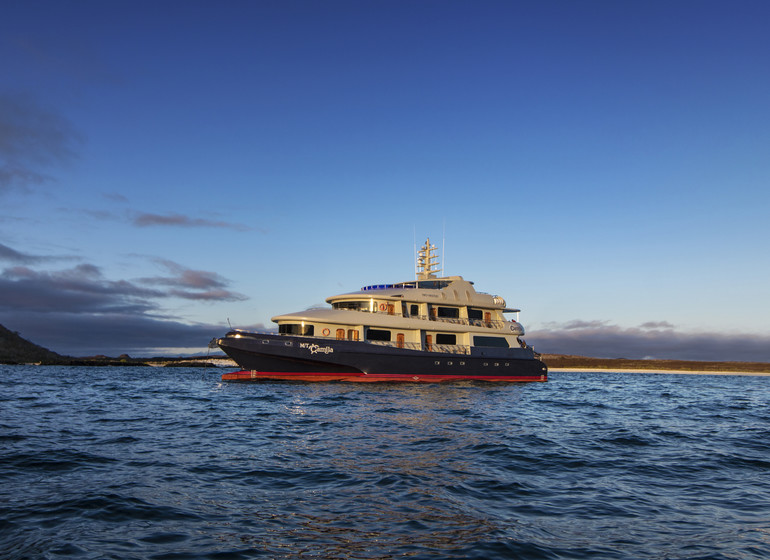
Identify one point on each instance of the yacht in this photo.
(433, 328)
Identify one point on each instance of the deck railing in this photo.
(447, 348)
(454, 320)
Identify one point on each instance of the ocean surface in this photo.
(168, 463)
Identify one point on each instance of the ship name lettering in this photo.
(315, 349)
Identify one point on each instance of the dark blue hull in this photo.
(266, 356)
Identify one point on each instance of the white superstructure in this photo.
(439, 314)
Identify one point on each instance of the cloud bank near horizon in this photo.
(78, 311)
(658, 340)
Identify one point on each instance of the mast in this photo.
(427, 261)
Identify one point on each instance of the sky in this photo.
(168, 169)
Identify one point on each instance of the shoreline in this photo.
(664, 371)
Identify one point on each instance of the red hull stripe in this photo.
(363, 378)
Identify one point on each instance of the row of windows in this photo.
(443, 338)
(423, 284)
(382, 335)
(414, 309)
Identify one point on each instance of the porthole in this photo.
(288, 343)
(449, 363)
(462, 363)
(265, 342)
(437, 363)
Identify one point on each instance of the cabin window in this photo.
(450, 312)
(475, 314)
(295, 329)
(340, 334)
(377, 334)
(352, 305)
(446, 338)
(491, 341)
(414, 310)
(433, 284)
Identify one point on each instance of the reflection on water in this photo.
(128, 463)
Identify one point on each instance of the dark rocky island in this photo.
(16, 350)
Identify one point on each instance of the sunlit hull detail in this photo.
(282, 357)
(375, 378)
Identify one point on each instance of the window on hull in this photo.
(490, 341)
(296, 329)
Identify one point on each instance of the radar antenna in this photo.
(427, 261)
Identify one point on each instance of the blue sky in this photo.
(167, 166)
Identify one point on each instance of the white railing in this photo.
(453, 320)
(446, 348)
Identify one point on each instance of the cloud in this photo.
(12, 255)
(8, 254)
(81, 289)
(31, 139)
(180, 220)
(193, 284)
(116, 197)
(650, 340)
(78, 311)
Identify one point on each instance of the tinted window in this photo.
(296, 329)
(475, 314)
(494, 341)
(375, 334)
(452, 312)
(446, 338)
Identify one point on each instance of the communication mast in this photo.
(427, 261)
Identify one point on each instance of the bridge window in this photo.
(295, 329)
(352, 305)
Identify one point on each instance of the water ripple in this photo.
(170, 464)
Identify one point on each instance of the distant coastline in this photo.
(15, 350)
(565, 363)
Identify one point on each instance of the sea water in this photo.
(166, 463)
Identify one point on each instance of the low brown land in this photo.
(559, 361)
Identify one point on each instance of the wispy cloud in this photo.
(13, 256)
(180, 220)
(32, 139)
(659, 340)
(193, 284)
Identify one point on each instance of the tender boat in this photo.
(429, 329)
